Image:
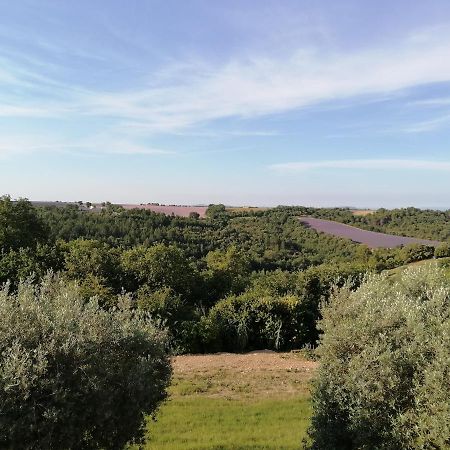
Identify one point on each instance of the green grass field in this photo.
(210, 423)
(254, 401)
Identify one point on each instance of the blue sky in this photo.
(240, 102)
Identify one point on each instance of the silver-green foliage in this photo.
(72, 375)
(384, 378)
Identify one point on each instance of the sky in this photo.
(242, 102)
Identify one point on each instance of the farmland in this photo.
(370, 238)
(257, 400)
(362, 212)
(176, 210)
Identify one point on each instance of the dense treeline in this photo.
(234, 281)
(271, 240)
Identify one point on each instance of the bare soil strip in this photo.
(262, 374)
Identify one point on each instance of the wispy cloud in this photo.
(113, 144)
(436, 101)
(186, 97)
(428, 125)
(30, 111)
(11, 144)
(363, 164)
(267, 85)
(118, 147)
(195, 92)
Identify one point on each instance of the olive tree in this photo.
(384, 377)
(72, 375)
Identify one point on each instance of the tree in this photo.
(20, 226)
(29, 262)
(227, 272)
(73, 375)
(96, 267)
(159, 266)
(194, 215)
(216, 212)
(88, 256)
(384, 381)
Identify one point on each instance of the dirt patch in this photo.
(260, 360)
(251, 375)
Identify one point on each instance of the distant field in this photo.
(369, 238)
(362, 212)
(232, 401)
(177, 210)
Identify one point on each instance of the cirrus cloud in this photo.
(363, 164)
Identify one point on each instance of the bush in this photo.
(72, 375)
(384, 379)
(416, 252)
(251, 321)
(442, 250)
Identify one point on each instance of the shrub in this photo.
(251, 321)
(384, 378)
(442, 250)
(168, 310)
(73, 375)
(416, 252)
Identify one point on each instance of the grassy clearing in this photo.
(212, 423)
(253, 401)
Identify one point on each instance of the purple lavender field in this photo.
(369, 238)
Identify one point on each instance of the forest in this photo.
(234, 281)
